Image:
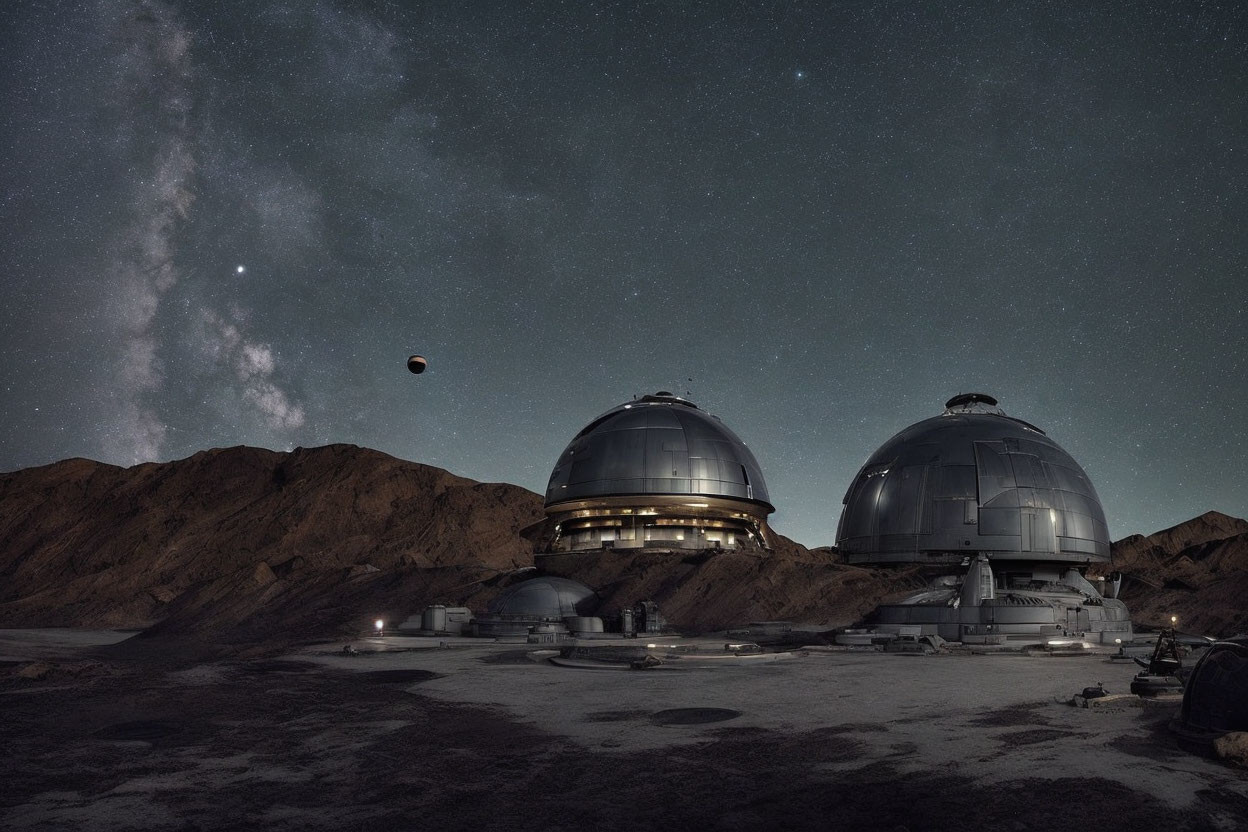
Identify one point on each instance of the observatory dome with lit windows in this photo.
(655, 473)
(1003, 522)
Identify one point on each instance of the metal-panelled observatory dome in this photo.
(656, 472)
(659, 444)
(972, 480)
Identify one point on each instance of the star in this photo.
(951, 218)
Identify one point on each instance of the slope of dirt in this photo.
(244, 545)
(249, 546)
(1197, 570)
(718, 591)
(227, 532)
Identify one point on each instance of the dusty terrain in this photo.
(483, 738)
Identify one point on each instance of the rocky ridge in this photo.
(1197, 571)
(241, 545)
(238, 535)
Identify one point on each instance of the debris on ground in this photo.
(35, 671)
(1106, 700)
(1233, 748)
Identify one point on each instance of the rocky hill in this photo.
(243, 545)
(1197, 570)
(225, 535)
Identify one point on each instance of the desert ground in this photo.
(138, 734)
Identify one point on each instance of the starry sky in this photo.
(230, 223)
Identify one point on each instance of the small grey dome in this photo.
(544, 598)
(658, 444)
(972, 480)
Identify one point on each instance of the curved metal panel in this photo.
(1215, 698)
(972, 480)
(543, 598)
(657, 445)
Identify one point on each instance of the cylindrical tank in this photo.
(434, 618)
(584, 624)
(626, 621)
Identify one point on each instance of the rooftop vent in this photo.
(665, 397)
(966, 399)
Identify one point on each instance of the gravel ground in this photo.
(478, 737)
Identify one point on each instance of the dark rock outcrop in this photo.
(1197, 570)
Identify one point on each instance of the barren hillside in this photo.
(228, 532)
(246, 545)
(1197, 570)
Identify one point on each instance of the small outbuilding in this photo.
(547, 605)
(1215, 698)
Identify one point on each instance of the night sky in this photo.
(230, 223)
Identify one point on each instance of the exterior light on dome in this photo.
(380, 625)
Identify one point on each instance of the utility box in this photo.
(457, 619)
(647, 619)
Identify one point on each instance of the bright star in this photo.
(240, 269)
(799, 75)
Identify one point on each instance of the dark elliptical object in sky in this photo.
(417, 364)
(655, 473)
(970, 489)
